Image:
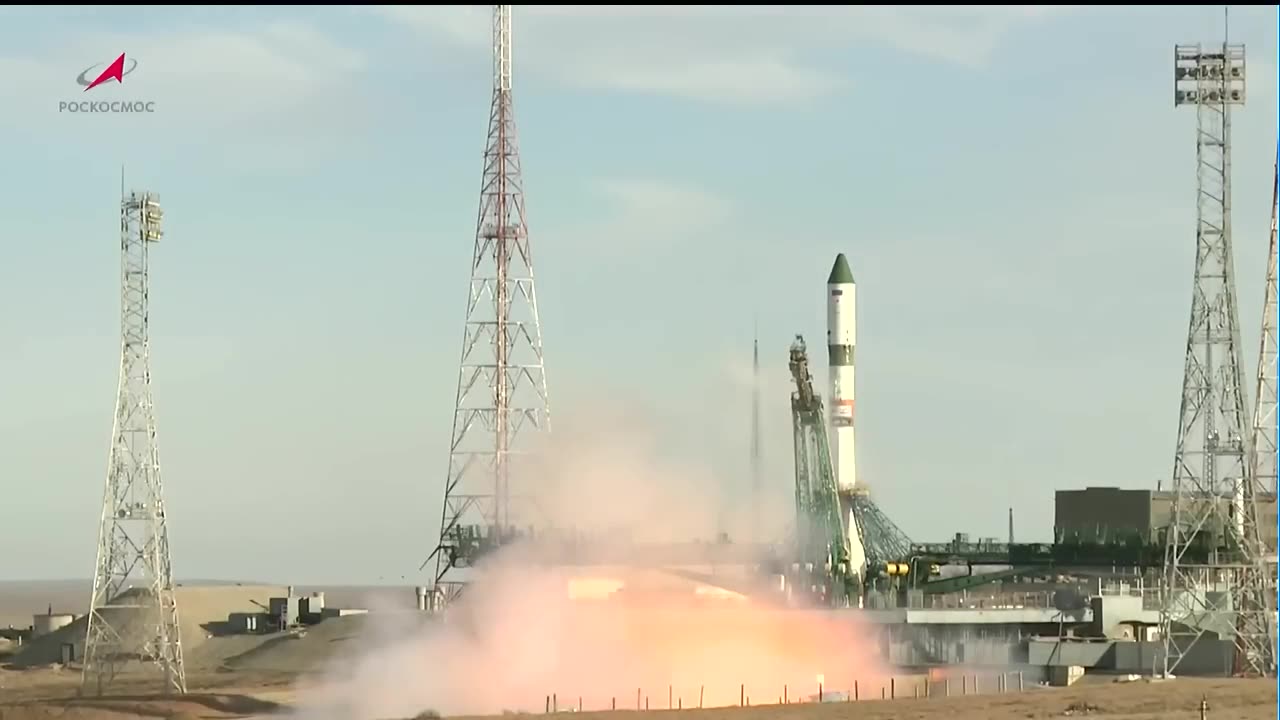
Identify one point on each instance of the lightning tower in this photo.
(133, 614)
(756, 470)
(1213, 580)
(502, 391)
(1264, 411)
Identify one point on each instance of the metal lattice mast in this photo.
(1214, 581)
(133, 614)
(502, 388)
(756, 469)
(1264, 411)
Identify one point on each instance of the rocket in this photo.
(842, 333)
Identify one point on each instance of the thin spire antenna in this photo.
(502, 48)
(756, 469)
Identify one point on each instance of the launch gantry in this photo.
(821, 537)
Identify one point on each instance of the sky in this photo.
(1012, 186)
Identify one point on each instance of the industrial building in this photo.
(1115, 515)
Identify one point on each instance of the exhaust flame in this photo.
(523, 633)
(517, 638)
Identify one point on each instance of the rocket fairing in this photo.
(842, 334)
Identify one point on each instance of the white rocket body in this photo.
(842, 333)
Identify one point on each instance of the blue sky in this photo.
(1012, 186)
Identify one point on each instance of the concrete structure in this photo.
(49, 623)
(285, 611)
(1111, 514)
(311, 609)
(1209, 656)
(1065, 675)
(241, 622)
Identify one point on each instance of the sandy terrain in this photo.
(20, 599)
(241, 676)
(42, 695)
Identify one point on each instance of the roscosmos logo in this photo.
(92, 77)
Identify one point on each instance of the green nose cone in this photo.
(840, 273)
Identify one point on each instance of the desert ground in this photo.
(42, 695)
(238, 676)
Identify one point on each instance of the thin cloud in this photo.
(674, 203)
(644, 212)
(740, 55)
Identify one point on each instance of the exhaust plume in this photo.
(619, 634)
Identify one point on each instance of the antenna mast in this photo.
(756, 469)
(502, 389)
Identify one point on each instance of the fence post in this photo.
(786, 700)
(946, 687)
(669, 705)
(893, 688)
(700, 689)
(555, 704)
(855, 689)
(819, 692)
(1019, 681)
(742, 695)
(547, 709)
(964, 684)
(579, 703)
(613, 703)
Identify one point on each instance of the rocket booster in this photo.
(842, 333)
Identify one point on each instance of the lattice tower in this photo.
(1214, 583)
(133, 614)
(501, 399)
(1264, 411)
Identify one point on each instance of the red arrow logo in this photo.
(114, 71)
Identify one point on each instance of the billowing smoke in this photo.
(600, 636)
